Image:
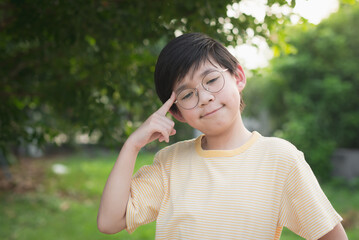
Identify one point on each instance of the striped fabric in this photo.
(246, 193)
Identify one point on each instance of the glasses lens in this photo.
(187, 98)
(213, 82)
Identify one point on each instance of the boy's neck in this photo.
(232, 138)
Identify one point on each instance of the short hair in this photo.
(185, 53)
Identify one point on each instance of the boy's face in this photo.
(215, 112)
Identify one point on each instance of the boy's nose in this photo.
(205, 97)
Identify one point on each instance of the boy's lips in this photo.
(210, 112)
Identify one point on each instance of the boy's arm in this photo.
(111, 216)
(338, 233)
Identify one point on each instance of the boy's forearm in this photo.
(112, 211)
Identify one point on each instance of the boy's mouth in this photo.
(210, 112)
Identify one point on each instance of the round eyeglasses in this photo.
(212, 82)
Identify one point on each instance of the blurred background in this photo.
(76, 79)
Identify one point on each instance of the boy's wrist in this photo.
(131, 145)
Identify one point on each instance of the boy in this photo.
(229, 183)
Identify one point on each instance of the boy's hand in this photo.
(157, 126)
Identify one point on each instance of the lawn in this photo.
(64, 206)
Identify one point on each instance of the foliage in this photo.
(87, 66)
(313, 93)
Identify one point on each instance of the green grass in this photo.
(65, 206)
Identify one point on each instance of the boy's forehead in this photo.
(197, 73)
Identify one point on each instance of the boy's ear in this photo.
(240, 78)
(177, 115)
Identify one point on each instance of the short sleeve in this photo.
(304, 208)
(146, 195)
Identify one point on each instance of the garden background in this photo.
(76, 78)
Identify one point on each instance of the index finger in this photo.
(167, 105)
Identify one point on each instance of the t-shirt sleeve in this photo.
(305, 209)
(146, 195)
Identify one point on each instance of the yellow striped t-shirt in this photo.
(247, 193)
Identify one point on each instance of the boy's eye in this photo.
(186, 96)
(211, 81)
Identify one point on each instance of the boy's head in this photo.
(184, 55)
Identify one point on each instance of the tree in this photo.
(70, 66)
(313, 92)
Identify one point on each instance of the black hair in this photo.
(186, 53)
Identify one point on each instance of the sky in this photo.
(316, 10)
(255, 57)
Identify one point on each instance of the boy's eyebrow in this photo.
(182, 87)
(204, 73)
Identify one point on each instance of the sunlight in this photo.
(316, 10)
(256, 54)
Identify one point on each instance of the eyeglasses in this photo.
(212, 82)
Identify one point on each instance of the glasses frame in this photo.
(196, 88)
